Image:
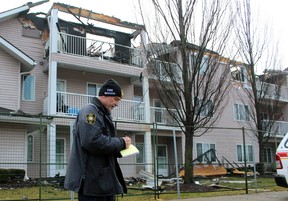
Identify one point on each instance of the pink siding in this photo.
(9, 82)
(76, 82)
(12, 147)
(33, 47)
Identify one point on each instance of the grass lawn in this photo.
(225, 186)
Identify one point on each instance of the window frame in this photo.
(28, 87)
(268, 156)
(204, 66)
(205, 147)
(60, 166)
(97, 89)
(238, 112)
(140, 158)
(249, 153)
(239, 73)
(206, 109)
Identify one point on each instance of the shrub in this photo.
(7, 175)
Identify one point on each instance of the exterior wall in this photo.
(76, 81)
(24, 43)
(37, 52)
(10, 67)
(40, 146)
(226, 142)
(9, 82)
(12, 146)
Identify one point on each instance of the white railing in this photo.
(272, 91)
(278, 127)
(69, 104)
(129, 110)
(81, 46)
(162, 116)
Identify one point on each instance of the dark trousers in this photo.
(82, 197)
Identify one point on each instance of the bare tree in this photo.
(189, 73)
(263, 90)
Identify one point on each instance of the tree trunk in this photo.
(189, 157)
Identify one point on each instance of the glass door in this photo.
(162, 160)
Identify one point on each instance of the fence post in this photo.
(176, 163)
(245, 159)
(155, 161)
(40, 159)
(255, 169)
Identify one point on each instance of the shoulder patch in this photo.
(91, 118)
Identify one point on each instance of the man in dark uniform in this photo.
(93, 171)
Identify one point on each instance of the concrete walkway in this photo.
(263, 196)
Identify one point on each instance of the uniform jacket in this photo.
(92, 164)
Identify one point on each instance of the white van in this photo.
(281, 178)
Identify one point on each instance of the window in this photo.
(30, 144)
(238, 73)
(140, 158)
(138, 108)
(204, 63)
(62, 40)
(60, 154)
(92, 90)
(28, 91)
(268, 155)
(158, 112)
(61, 96)
(207, 157)
(241, 112)
(165, 71)
(240, 153)
(204, 106)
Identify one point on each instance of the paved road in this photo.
(263, 196)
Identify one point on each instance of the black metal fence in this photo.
(35, 149)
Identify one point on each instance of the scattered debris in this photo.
(151, 180)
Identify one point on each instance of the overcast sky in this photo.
(274, 11)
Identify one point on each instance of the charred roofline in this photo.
(80, 12)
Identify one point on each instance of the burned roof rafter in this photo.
(96, 16)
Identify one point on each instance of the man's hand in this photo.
(127, 141)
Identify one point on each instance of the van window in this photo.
(286, 143)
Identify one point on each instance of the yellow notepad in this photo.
(131, 150)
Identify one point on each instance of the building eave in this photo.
(24, 120)
(15, 12)
(28, 62)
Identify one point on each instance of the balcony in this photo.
(272, 91)
(278, 127)
(98, 50)
(69, 104)
(162, 116)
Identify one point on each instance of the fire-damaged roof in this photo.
(80, 12)
(32, 20)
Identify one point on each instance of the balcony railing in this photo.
(272, 91)
(81, 46)
(278, 127)
(69, 104)
(162, 116)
